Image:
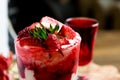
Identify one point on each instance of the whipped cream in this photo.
(52, 22)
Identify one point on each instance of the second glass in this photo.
(87, 28)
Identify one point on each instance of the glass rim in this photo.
(85, 18)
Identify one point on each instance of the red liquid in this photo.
(47, 65)
(87, 28)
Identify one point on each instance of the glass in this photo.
(35, 62)
(87, 28)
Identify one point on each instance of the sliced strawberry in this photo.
(25, 32)
(68, 32)
(52, 42)
(30, 41)
(63, 41)
(35, 24)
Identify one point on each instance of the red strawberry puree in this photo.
(4, 66)
(56, 58)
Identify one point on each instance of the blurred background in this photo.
(107, 47)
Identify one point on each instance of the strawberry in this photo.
(4, 65)
(30, 41)
(37, 24)
(25, 32)
(68, 32)
(63, 41)
(52, 42)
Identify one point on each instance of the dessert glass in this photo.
(39, 63)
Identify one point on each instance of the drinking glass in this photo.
(87, 28)
(38, 63)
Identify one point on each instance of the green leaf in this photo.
(53, 30)
(56, 28)
(42, 33)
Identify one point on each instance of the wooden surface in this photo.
(107, 48)
(106, 58)
(99, 72)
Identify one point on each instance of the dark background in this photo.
(24, 12)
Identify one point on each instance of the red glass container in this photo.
(36, 62)
(87, 28)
